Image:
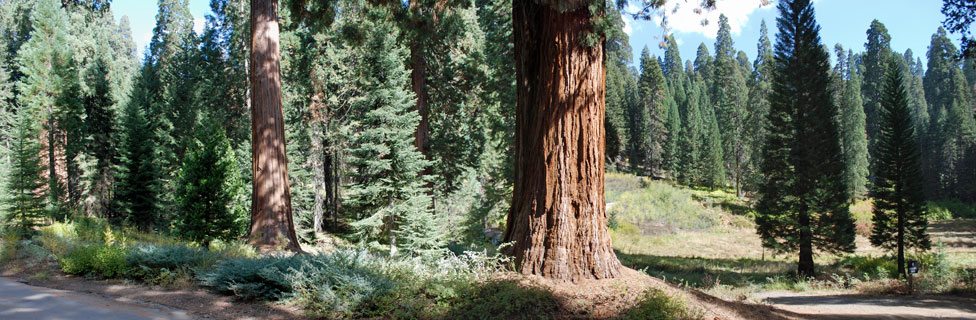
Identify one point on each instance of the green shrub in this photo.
(342, 284)
(96, 259)
(616, 184)
(663, 208)
(500, 299)
(870, 267)
(949, 209)
(233, 249)
(92, 230)
(936, 275)
(657, 305)
(158, 263)
(252, 279)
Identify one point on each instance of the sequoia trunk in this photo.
(558, 216)
(271, 219)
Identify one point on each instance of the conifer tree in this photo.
(952, 130)
(136, 175)
(730, 95)
(759, 89)
(388, 196)
(25, 204)
(651, 134)
(46, 63)
(693, 135)
(899, 220)
(207, 185)
(641, 116)
(713, 156)
(876, 63)
(853, 138)
(803, 202)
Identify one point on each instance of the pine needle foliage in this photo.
(899, 220)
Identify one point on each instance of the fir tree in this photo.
(876, 60)
(207, 185)
(803, 202)
(853, 138)
(650, 134)
(713, 155)
(952, 131)
(899, 217)
(639, 118)
(46, 63)
(388, 196)
(730, 94)
(25, 205)
(136, 175)
(759, 89)
(692, 138)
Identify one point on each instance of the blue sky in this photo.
(910, 23)
(142, 16)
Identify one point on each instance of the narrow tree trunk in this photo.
(418, 79)
(319, 159)
(901, 240)
(271, 219)
(558, 216)
(805, 267)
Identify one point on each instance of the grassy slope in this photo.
(728, 253)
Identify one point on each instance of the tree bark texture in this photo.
(271, 218)
(418, 79)
(558, 219)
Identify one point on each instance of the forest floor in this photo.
(152, 302)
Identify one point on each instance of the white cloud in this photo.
(682, 17)
(198, 25)
(628, 27)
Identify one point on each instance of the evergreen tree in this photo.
(46, 63)
(641, 116)
(25, 205)
(759, 89)
(693, 133)
(388, 196)
(703, 65)
(712, 154)
(952, 129)
(875, 59)
(619, 84)
(730, 95)
(136, 175)
(803, 202)
(99, 131)
(207, 186)
(899, 217)
(853, 137)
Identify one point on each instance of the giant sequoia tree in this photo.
(558, 215)
(804, 196)
(271, 218)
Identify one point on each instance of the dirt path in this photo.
(858, 306)
(21, 301)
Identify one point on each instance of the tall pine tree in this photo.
(852, 130)
(899, 217)
(803, 202)
(877, 51)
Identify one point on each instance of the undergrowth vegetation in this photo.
(344, 282)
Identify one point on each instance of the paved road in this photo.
(20, 301)
(856, 306)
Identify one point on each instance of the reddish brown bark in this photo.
(271, 219)
(558, 215)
